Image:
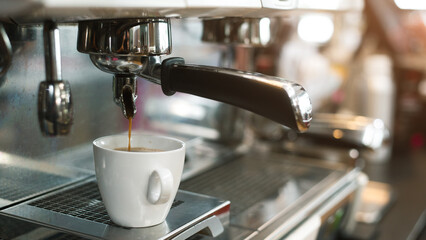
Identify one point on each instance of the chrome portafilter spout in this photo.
(131, 47)
(55, 109)
(124, 90)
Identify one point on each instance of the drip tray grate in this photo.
(83, 202)
(17, 183)
(79, 210)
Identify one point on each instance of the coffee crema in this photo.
(138, 149)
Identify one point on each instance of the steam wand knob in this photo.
(55, 110)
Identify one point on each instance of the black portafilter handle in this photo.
(275, 98)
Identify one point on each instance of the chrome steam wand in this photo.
(55, 109)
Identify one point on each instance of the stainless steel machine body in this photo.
(44, 169)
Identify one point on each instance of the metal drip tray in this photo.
(265, 188)
(247, 184)
(83, 202)
(14, 184)
(80, 210)
(21, 179)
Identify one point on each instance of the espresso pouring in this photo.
(135, 149)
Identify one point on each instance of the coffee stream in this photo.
(135, 149)
(130, 134)
(127, 98)
(129, 105)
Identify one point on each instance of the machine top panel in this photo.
(36, 11)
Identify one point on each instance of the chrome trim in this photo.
(324, 199)
(125, 37)
(360, 131)
(301, 104)
(5, 53)
(55, 107)
(253, 32)
(120, 84)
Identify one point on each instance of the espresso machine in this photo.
(57, 63)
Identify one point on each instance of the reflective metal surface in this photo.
(23, 178)
(127, 37)
(79, 210)
(270, 194)
(376, 200)
(273, 193)
(125, 94)
(95, 113)
(301, 105)
(334, 134)
(188, 115)
(55, 108)
(38, 10)
(357, 130)
(52, 51)
(116, 46)
(125, 69)
(253, 32)
(251, 184)
(5, 53)
(118, 64)
(92, 97)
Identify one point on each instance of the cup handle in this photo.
(160, 186)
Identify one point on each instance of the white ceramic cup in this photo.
(138, 188)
